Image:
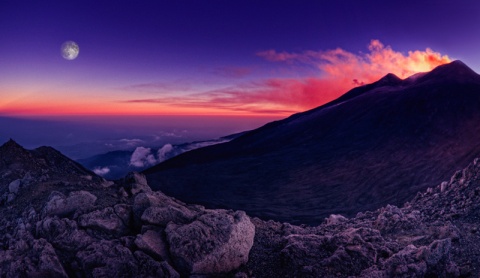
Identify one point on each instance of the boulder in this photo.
(163, 215)
(393, 219)
(143, 201)
(106, 220)
(349, 250)
(48, 263)
(14, 186)
(10, 197)
(217, 242)
(38, 260)
(152, 243)
(148, 267)
(60, 205)
(63, 233)
(124, 212)
(136, 183)
(335, 219)
(107, 259)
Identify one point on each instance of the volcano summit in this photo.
(377, 144)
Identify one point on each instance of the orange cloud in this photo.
(366, 68)
(271, 96)
(339, 71)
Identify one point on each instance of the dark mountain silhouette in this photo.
(377, 144)
(15, 160)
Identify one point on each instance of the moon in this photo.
(70, 50)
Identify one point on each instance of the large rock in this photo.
(432, 260)
(148, 267)
(218, 241)
(106, 220)
(348, 251)
(14, 186)
(63, 233)
(107, 259)
(63, 206)
(124, 212)
(136, 183)
(48, 263)
(393, 219)
(144, 201)
(152, 243)
(163, 215)
(38, 260)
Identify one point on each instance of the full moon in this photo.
(70, 50)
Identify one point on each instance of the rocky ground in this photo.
(60, 220)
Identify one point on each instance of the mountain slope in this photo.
(124, 229)
(377, 144)
(44, 166)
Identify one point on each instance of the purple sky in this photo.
(218, 57)
(151, 50)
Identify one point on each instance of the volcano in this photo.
(377, 144)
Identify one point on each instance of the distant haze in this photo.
(83, 136)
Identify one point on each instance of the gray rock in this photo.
(151, 268)
(217, 242)
(105, 220)
(60, 205)
(348, 250)
(48, 263)
(163, 215)
(152, 243)
(107, 259)
(38, 260)
(63, 233)
(136, 183)
(335, 219)
(393, 219)
(14, 186)
(124, 212)
(143, 201)
(10, 197)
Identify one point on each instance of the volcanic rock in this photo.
(218, 241)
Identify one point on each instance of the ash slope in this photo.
(82, 226)
(378, 144)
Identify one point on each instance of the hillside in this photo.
(81, 226)
(377, 144)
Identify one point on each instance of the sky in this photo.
(252, 60)
(218, 57)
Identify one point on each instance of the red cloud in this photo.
(339, 71)
(366, 68)
(271, 96)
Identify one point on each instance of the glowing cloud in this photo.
(339, 63)
(142, 157)
(162, 153)
(338, 71)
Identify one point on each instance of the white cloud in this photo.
(101, 170)
(162, 153)
(142, 157)
(131, 142)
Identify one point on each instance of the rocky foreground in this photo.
(60, 220)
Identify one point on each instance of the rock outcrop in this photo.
(217, 242)
(82, 228)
